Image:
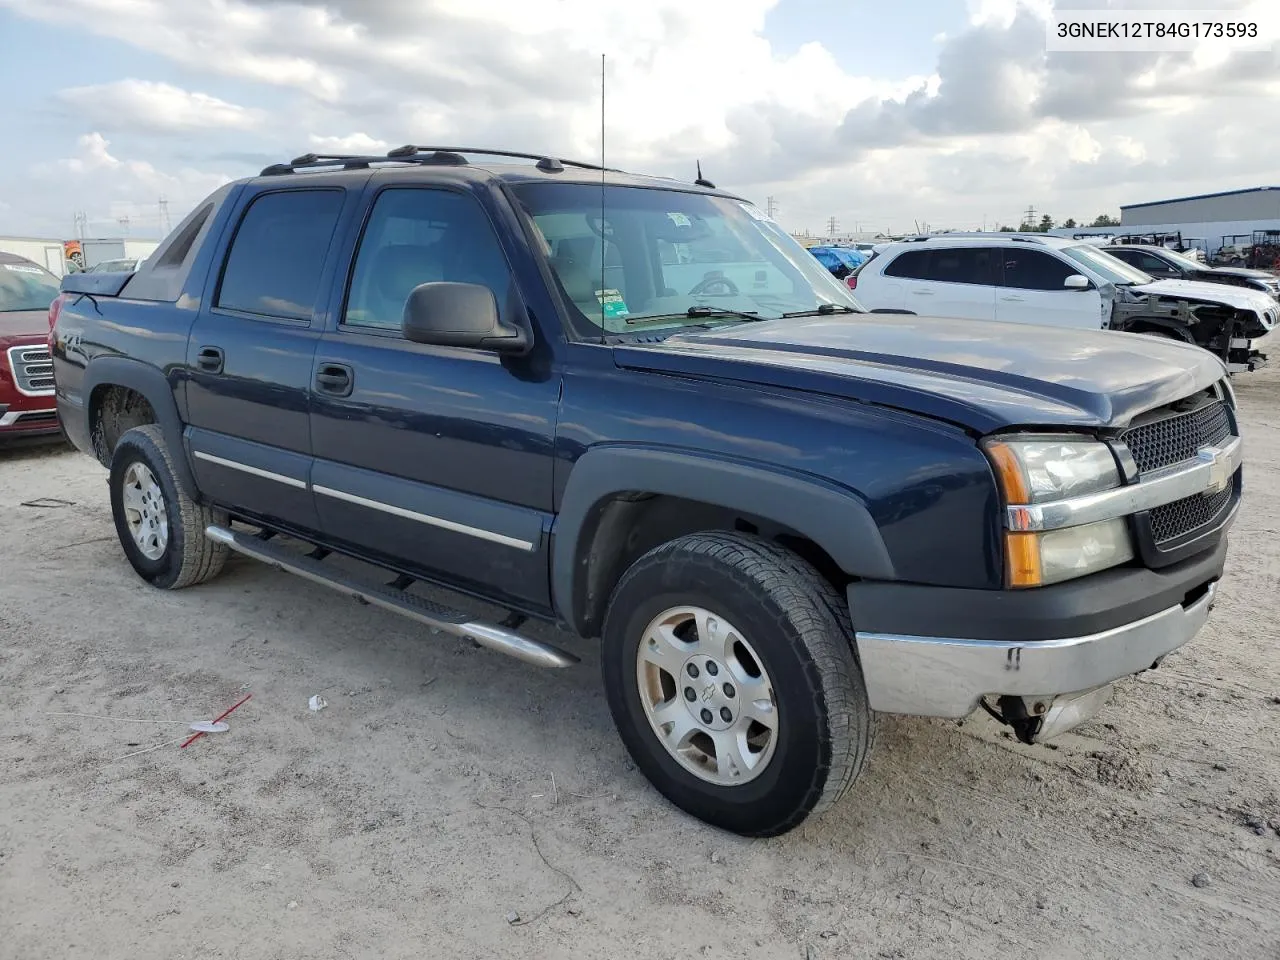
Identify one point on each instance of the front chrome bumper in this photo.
(946, 677)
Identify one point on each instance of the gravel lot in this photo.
(446, 789)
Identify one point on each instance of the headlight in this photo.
(1039, 471)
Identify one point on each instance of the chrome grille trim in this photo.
(32, 370)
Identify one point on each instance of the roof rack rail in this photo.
(545, 162)
(412, 153)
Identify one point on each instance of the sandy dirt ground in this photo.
(446, 790)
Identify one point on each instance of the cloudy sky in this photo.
(879, 113)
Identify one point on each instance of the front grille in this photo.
(1170, 437)
(32, 370)
(1176, 437)
(1182, 517)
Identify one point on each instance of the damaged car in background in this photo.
(1052, 281)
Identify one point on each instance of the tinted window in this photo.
(1033, 270)
(913, 265)
(417, 236)
(946, 265)
(1149, 263)
(278, 252)
(962, 265)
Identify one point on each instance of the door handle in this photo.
(922, 293)
(335, 378)
(1013, 299)
(210, 359)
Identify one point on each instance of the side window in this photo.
(912, 265)
(1153, 265)
(278, 253)
(1033, 270)
(420, 235)
(962, 265)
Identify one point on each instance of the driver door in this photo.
(434, 458)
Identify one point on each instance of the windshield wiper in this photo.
(700, 311)
(823, 310)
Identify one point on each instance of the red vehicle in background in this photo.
(27, 407)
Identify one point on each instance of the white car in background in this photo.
(1053, 281)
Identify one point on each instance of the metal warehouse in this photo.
(1230, 217)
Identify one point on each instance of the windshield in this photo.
(1108, 267)
(1186, 263)
(25, 286)
(672, 259)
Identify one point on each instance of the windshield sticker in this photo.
(754, 212)
(680, 220)
(613, 304)
(19, 268)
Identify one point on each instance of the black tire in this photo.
(189, 557)
(798, 626)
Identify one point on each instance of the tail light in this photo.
(55, 308)
(852, 281)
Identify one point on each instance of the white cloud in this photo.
(111, 189)
(157, 107)
(997, 125)
(351, 143)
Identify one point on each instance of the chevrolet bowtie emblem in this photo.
(1219, 469)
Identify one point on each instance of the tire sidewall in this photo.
(137, 447)
(796, 772)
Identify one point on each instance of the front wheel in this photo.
(729, 671)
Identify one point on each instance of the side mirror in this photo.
(1076, 282)
(460, 315)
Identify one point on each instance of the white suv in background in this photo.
(1053, 281)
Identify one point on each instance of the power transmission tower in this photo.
(164, 216)
(1029, 217)
(832, 223)
(771, 206)
(82, 224)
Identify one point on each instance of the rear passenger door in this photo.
(1033, 291)
(250, 352)
(946, 282)
(962, 282)
(435, 459)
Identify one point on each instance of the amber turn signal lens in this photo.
(1022, 559)
(1009, 471)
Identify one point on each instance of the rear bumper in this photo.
(1016, 644)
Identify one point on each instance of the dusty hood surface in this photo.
(982, 375)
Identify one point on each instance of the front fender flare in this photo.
(830, 515)
(151, 384)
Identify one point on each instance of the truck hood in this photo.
(1242, 298)
(24, 323)
(981, 375)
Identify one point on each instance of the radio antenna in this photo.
(604, 240)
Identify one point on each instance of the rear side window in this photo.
(913, 265)
(1033, 270)
(962, 265)
(276, 258)
(946, 265)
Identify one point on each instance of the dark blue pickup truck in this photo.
(639, 409)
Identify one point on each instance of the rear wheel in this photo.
(160, 528)
(731, 677)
